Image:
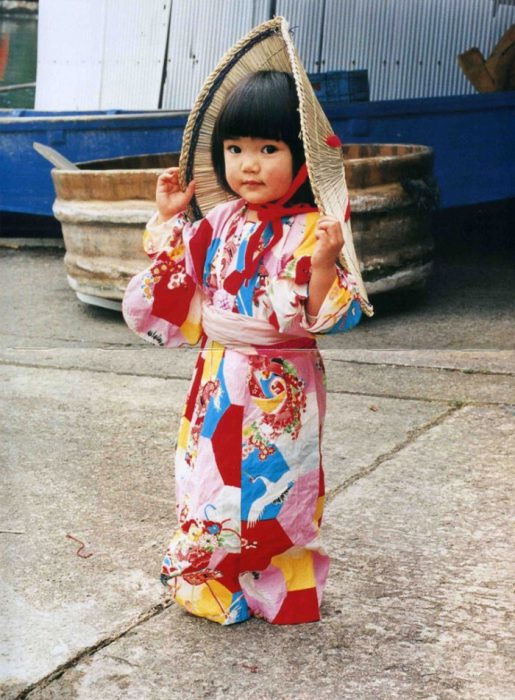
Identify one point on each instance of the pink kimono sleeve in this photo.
(340, 310)
(162, 304)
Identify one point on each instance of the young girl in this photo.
(255, 279)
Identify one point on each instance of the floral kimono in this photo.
(249, 477)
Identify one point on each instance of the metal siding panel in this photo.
(134, 50)
(358, 36)
(410, 18)
(201, 31)
(69, 54)
(180, 65)
(108, 53)
(447, 29)
(305, 20)
(504, 18)
(410, 47)
(469, 28)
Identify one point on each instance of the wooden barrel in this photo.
(103, 209)
(392, 193)
(104, 206)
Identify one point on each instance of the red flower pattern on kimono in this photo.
(260, 414)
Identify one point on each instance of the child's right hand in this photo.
(170, 199)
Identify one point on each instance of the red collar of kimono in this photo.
(271, 212)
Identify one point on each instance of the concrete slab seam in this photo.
(400, 365)
(425, 399)
(80, 344)
(89, 651)
(384, 395)
(110, 346)
(411, 437)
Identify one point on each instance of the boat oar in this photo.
(54, 157)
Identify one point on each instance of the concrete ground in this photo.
(419, 454)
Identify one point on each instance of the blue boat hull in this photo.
(25, 175)
(472, 137)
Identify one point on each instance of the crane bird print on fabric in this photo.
(274, 495)
(248, 467)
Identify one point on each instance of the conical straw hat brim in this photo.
(269, 47)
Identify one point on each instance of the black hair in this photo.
(261, 105)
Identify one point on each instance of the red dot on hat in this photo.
(334, 141)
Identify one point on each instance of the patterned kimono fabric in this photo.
(249, 477)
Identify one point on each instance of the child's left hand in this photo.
(329, 242)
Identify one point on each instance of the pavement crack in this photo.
(120, 658)
(378, 461)
(187, 377)
(400, 365)
(387, 395)
(457, 403)
(89, 651)
(91, 370)
(71, 343)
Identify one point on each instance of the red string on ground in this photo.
(82, 545)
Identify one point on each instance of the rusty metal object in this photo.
(103, 209)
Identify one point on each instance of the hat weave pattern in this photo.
(269, 47)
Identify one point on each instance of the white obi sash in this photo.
(241, 332)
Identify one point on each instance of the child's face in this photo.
(258, 170)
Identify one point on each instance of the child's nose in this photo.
(250, 163)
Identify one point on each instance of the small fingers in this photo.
(169, 175)
(326, 220)
(329, 231)
(190, 190)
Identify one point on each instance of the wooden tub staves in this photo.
(104, 206)
(392, 193)
(103, 209)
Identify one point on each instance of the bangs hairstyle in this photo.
(262, 105)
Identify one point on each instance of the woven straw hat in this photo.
(269, 47)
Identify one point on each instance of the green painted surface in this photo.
(18, 59)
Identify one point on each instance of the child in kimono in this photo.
(255, 280)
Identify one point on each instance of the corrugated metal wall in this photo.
(134, 50)
(409, 47)
(110, 53)
(201, 31)
(306, 21)
(100, 54)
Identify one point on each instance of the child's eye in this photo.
(269, 149)
(234, 149)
